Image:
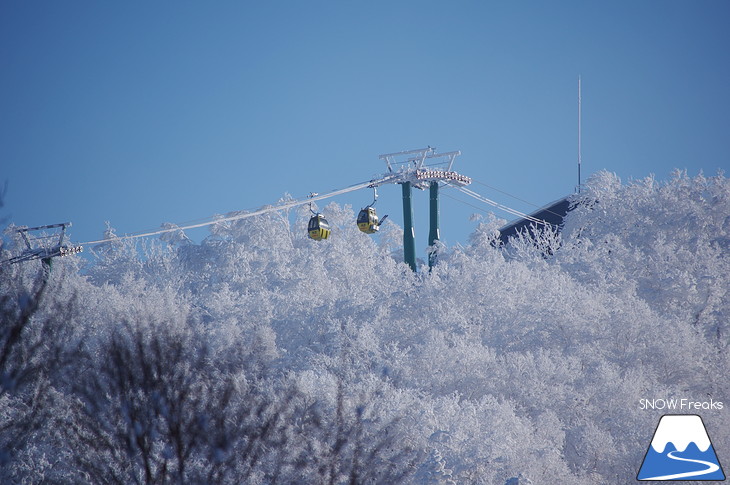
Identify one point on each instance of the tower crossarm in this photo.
(421, 167)
(38, 246)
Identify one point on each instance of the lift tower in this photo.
(41, 246)
(422, 168)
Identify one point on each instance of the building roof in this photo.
(553, 213)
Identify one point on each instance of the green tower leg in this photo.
(409, 233)
(433, 233)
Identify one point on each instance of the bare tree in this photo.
(33, 348)
(348, 444)
(157, 406)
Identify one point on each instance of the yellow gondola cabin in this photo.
(367, 220)
(318, 227)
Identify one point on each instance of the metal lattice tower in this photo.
(38, 247)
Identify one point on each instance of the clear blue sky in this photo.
(140, 113)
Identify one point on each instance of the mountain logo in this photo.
(680, 450)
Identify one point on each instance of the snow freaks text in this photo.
(683, 404)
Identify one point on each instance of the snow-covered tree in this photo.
(262, 356)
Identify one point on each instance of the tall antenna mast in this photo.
(579, 134)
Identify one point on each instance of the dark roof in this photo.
(553, 213)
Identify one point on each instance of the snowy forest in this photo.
(260, 356)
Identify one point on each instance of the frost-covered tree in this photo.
(156, 404)
(262, 356)
(34, 349)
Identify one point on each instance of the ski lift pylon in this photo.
(36, 249)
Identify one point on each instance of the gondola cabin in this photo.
(367, 220)
(318, 227)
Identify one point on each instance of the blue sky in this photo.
(140, 113)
